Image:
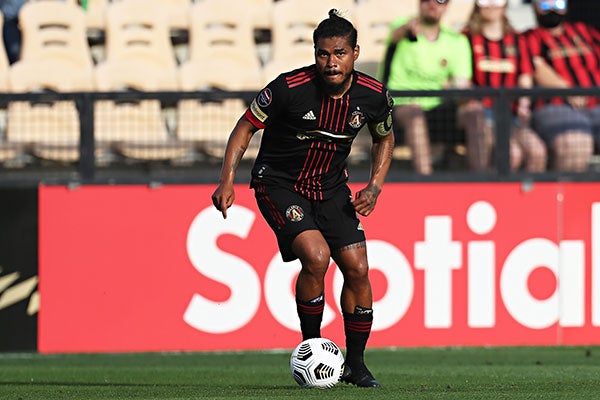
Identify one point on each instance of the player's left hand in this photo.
(365, 200)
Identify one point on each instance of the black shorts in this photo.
(288, 213)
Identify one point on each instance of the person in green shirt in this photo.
(423, 54)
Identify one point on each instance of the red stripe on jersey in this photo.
(300, 78)
(572, 54)
(345, 105)
(370, 83)
(477, 42)
(275, 214)
(525, 63)
(577, 56)
(322, 113)
(317, 162)
(336, 112)
(334, 104)
(253, 120)
(489, 53)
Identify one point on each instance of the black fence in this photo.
(179, 137)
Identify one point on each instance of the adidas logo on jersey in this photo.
(309, 116)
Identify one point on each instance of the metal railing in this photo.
(87, 170)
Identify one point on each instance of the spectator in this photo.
(11, 33)
(501, 59)
(424, 55)
(565, 54)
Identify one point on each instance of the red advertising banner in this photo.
(135, 268)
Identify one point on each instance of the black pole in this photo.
(87, 162)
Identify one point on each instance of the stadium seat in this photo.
(222, 50)
(261, 13)
(137, 31)
(3, 62)
(293, 23)
(136, 129)
(458, 13)
(372, 20)
(8, 151)
(139, 57)
(54, 57)
(95, 17)
(178, 13)
(208, 124)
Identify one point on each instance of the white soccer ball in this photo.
(317, 363)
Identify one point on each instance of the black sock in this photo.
(357, 327)
(311, 315)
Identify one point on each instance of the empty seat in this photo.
(222, 50)
(372, 20)
(292, 24)
(261, 13)
(54, 57)
(137, 30)
(7, 150)
(138, 57)
(178, 13)
(208, 124)
(95, 16)
(458, 13)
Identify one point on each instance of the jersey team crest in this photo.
(357, 119)
(294, 213)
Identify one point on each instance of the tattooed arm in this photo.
(237, 144)
(381, 159)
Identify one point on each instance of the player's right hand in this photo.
(223, 198)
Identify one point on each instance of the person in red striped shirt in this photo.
(501, 59)
(565, 55)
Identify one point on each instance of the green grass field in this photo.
(441, 373)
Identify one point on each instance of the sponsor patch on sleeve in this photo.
(265, 97)
(385, 127)
(257, 112)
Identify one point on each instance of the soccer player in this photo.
(310, 118)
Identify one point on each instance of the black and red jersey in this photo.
(499, 63)
(574, 54)
(307, 134)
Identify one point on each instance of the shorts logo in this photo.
(294, 213)
(265, 97)
(356, 119)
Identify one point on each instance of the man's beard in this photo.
(430, 20)
(550, 20)
(335, 88)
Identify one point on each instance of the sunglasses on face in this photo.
(491, 3)
(437, 1)
(551, 5)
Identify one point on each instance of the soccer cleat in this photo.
(359, 376)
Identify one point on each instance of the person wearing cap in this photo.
(423, 54)
(501, 59)
(565, 55)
